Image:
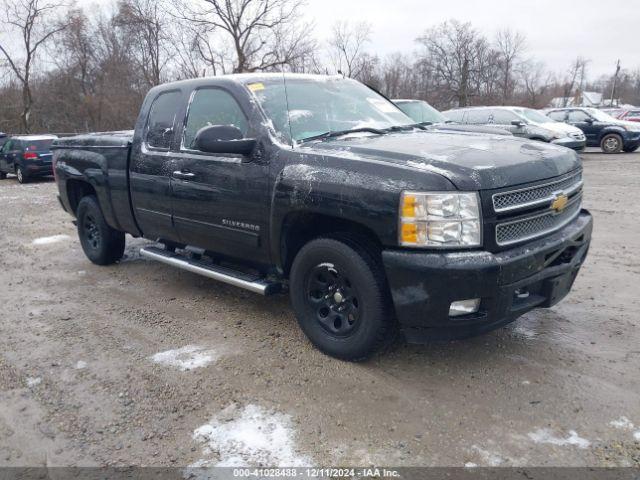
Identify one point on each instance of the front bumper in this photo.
(631, 139)
(537, 274)
(572, 143)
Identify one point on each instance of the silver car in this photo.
(521, 122)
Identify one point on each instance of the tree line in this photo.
(63, 69)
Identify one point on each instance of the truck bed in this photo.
(101, 160)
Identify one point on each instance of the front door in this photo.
(4, 157)
(220, 201)
(583, 121)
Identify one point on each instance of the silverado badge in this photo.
(560, 203)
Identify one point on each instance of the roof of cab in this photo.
(34, 137)
(242, 78)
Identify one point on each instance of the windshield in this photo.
(315, 106)
(422, 112)
(601, 116)
(534, 116)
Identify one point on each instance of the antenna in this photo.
(286, 97)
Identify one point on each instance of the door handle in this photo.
(183, 174)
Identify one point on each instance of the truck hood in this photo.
(470, 161)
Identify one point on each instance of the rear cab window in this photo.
(162, 120)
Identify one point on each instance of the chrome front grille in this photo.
(537, 225)
(537, 195)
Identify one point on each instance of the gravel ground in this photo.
(142, 364)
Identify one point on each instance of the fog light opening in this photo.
(464, 307)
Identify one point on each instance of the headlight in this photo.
(440, 220)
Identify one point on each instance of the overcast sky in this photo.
(557, 30)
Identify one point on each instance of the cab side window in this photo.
(558, 116)
(162, 120)
(503, 117)
(212, 106)
(477, 117)
(6, 148)
(578, 116)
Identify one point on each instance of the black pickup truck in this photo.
(320, 186)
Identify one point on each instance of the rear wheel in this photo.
(611, 143)
(340, 298)
(101, 244)
(22, 175)
(631, 149)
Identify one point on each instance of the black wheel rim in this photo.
(91, 232)
(333, 299)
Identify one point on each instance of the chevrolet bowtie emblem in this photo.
(560, 203)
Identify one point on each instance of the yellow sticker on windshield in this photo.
(256, 87)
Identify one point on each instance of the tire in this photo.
(101, 244)
(23, 177)
(340, 297)
(611, 143)
(631, 149)
(3, 175)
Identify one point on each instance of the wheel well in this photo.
(539, 139)
(300, 228)
(76, 190)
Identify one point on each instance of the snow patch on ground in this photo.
(636, 435)
(80, 364)
(50, 240)
(187, 358)
(490, 459)
(544, 435)
(623, 423)
(33, 381)
(251, 437)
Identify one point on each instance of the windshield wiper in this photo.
(339, 133)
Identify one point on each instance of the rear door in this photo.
(220, 201)
(151, 167)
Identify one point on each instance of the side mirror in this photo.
(518, 123)
(223, 139)
(589, 120)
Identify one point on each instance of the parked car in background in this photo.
(612, 135)
(423, 113)
(521, 122)
(27, 156)
(614, 112)
(3, 139)
(632, 115)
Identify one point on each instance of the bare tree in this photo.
(457, 56)
(346, 47)
(260, 34)
(510, 45)
(576, 76)
(35, 23)
(144, 22)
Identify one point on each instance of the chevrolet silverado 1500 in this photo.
(320, 186)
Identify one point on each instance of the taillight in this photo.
(29, 155)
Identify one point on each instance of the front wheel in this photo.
(340, 297)
(101, 244)
(611, 143)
